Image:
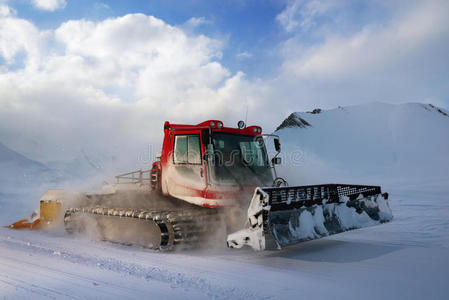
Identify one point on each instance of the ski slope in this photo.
(407, 258)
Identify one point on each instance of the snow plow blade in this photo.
(25, 224)
(49, 212)
(282, 216)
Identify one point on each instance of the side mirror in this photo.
(276, 160)
(277, 144)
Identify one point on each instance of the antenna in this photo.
(246, 114)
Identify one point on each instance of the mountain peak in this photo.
(440, 110)
(368, 111)
(293, 121)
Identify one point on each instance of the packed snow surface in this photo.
(403, 148)
(405, 259)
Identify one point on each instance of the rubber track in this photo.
(186, 229)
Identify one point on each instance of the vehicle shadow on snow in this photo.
(336, 251)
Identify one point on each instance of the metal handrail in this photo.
(134, 177)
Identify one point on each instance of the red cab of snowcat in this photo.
(211, 165)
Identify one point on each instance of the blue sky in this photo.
(74, 71)
(249, 27)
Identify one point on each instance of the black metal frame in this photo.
(283, 198)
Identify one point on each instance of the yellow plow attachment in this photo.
(50, 211)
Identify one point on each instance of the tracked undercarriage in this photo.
(149, 220)
(163, 230)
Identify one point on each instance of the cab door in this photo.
(186, 176)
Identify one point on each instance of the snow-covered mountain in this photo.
(19, 172)
(84, 165)
(24, 180)
(372, 141)
(21, 179)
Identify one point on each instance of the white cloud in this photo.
(18, 36)
(108, 85)
(244, 54)
(49, 5)
(403, 58)
(374, 47)
(302, 13)
(6, 11)
(195, 22)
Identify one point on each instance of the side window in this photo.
(180, 155)
(194, 151)
(187, 149)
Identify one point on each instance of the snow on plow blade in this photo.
(283, 216)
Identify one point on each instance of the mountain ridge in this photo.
(299, 119)
(376, 139)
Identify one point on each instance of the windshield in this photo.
(240, 160)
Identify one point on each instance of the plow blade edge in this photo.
(283, 216)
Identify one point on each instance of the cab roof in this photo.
(215, 126)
